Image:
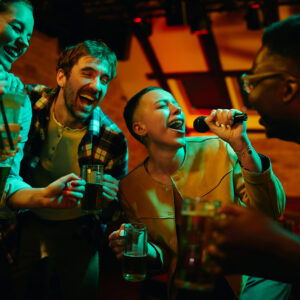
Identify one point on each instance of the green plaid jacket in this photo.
(104, 143)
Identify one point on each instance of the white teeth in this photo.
(176, 124)
(12, 52)
(88, 97)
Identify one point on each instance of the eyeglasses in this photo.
(250, 82)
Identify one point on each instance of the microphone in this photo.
(201, 126)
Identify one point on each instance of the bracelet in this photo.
(245, 150)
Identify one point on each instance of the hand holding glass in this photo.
(92, 201)
(135, 252)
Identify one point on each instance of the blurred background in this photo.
(197, 49)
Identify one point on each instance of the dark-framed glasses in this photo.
(250, 82)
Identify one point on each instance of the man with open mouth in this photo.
(69, 129)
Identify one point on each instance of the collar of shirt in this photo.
(48, 95)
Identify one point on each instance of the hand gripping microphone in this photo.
(201, 126)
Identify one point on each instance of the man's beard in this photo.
(70, 102)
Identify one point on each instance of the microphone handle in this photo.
(239, 118)
(201, 126)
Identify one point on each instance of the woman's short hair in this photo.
(131, 107)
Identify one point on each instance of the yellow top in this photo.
(59, 157)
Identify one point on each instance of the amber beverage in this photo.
(92, 201)
(134, 267)
(10, 105)
(134, 264)
(195, 267)
(92, 197)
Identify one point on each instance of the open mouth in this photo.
(176, 125)
(12, 52)
(87, 99)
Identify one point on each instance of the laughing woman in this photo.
(16, 24)
(16, 27)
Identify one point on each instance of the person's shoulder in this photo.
(108, 125)
(26, 111)
(106, 121)
(210, 147)
(37, 91)
(205, 141)
(133, 175)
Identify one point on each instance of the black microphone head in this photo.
(200, 125)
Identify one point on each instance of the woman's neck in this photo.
(163, 163)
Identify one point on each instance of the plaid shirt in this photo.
(104, 143)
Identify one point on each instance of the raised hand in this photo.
(220, 122)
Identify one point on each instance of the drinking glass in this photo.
(195, 267)
(135, 252)
(10, 105)
(92, 201)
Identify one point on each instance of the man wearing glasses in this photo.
(273, 86)
(249, 242)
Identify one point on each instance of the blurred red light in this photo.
(200, 32)
(137, 20)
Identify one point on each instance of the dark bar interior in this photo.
(203, 55)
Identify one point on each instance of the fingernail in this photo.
(122, 233)
(217, 124)
(222, 125)
(228, 126)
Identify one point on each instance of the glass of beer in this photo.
(135, 252)
(92, 201)
(196, 270)
(10, 105)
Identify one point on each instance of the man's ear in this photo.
(290, 89)
(61, 78)
(139, 128)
